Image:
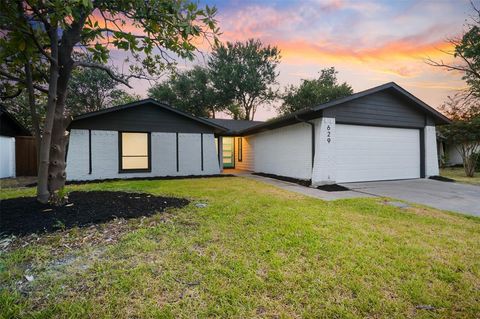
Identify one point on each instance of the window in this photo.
(240, 149)
(134, 152)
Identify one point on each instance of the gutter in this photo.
(313, 135)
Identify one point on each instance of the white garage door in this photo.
(367, 153)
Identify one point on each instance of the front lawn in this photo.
(252, 251)
(458, 174)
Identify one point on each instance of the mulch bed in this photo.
(153, 178)
(301, 182)
(333, 188)
(24, 215)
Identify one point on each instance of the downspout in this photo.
(313, 136)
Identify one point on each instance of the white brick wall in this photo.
(7, 156)
(285, 151)
(431, 155)
(324, 169)
(105, 155)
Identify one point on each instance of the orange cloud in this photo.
(395, 50)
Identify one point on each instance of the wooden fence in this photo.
(25, 156)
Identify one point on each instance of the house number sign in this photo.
(328, 134)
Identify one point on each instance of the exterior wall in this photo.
(324, 169)
(146, 117)
(453, 155)
(163, 150)
(382, 108)
(431, 155)
(248, 146)
(7, 156)
(285, 151)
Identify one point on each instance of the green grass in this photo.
(458, 174)
(254, 251)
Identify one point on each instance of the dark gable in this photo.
(144, 116)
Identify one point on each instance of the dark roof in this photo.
(10, 126)
(145, 101)
(310, 112)
(234, 125)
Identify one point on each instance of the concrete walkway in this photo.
(456, 197)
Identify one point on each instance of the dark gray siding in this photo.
(381, 108)
(143, 118)
(9, 127)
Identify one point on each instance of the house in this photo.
(383, 133)
(10, 131)
(448, 153)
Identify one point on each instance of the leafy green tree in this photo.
(47, 33)
(464, 131)
(465, 135)
(466, 56)
(243, 74)
(190, 91)
(92, 90)
(314, 92)
(463, 108)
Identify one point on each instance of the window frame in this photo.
(120, 154)
(240, 149)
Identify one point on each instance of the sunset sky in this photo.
(368, 42)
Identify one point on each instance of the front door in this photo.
(228, 152)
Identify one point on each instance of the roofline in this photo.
(144, 101)
(22, 127)
(230, 132)
(318, 108)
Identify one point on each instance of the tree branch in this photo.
(23, 81)
(104, 68)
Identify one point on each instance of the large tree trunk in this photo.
(43, 194)
(469, 166)
(33, 109)
(56, 173)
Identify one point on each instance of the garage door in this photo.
(366, 153)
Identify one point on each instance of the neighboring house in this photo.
(448, 153)
(383, 133)
(10, 130)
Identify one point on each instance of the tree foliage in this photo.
(466, 56)
(243, 74)
(463, 108)
(465, 135)
(314, 92)
(92, 90)
(190, 91)
(39, 40)
(464, 131)
(457, 109)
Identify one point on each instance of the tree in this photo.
(243, 74)
(466, 56)
(457, 109)
(47, 33)
(463, 108)
(92, 90)
(464, 131)
(465, 135)
(314, 92)
(19, 107)
(190, 91)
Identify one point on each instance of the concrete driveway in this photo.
(461, 198)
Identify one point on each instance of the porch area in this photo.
(235, 154)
